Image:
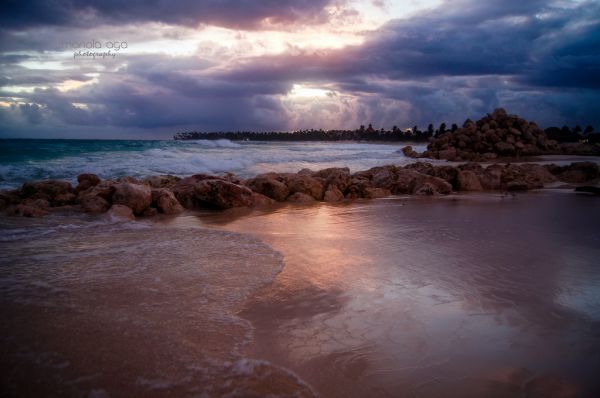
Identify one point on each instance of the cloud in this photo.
(537, 58)
(243, 14)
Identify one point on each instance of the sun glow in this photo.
(302, 91)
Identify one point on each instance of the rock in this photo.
(358, 188)
(26, 211)
(150, 212)
(129, 180)
(305, 172)
(536, 176)
(429, 185)
(269, 186)
(499, 114)
(375, 193)
(333, 194)
(86, 181)
(409, 152)
(404, 183)
(230, 177)
(135, 196)
(505, 148)
(165, 201)
(259, 200)
(422, 167)
(446, 173)
(300, 197)
(93, 204)
(491, 178)
(448, 154)
(222, 194)
(185, 190)
(468, 181)
(578, 172)
(498, 134)
(307, 185)
(384, 176)
(336, 176)
(47, 190)
(64, 199)
(37, 203)
(425, 189)
(119, 213)
(8, 198)
(162, 181)
(96, 199)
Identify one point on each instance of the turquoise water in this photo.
(24, 160)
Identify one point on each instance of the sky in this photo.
(149, 69)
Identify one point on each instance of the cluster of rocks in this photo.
(128, 197)
(498, 135)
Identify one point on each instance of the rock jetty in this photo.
(129, 197)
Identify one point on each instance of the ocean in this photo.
(25, 160)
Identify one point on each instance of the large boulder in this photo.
(119, 213)
(333, 194)
(48, 190)
(491, 178)
(259, 200)
(165, 201)
(383, 176)
(404, 182)
(358, 188)
(536, 176)
(135, 196)
(425, 184)
(409, 152)
(93, 204)
(577, 172)
(468, 181)
(448, 174)
(270, 186)
(162, 181)
(335, 176)
(222, 194)
(97, 198)
(8, 198)
(300, 197)
(24, 210)
(86, 181)
(307, 185)
(185, 190)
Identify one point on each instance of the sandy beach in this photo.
(467, 295)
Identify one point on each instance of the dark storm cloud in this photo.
(539, 59)
(464, 59)
(513, 41)
(17, 14)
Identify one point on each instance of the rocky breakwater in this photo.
(128, 198)
(498, 135)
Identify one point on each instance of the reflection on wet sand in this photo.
(475, 296)
(126, 310)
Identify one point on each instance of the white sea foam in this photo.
(184, 158)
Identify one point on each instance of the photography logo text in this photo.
(95, 49)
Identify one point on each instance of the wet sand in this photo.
(127, 310)
(460, 296)
(466, 296)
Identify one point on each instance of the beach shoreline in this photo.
(312, 237)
